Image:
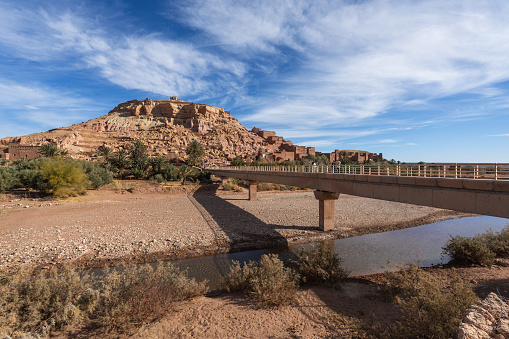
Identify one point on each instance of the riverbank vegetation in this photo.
(273, 283)
(57, 174)
(431, 306)
(481, 249)
(113, 300)
(117, 303)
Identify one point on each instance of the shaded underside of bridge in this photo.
(480, 196)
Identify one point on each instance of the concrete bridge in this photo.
(473, 188)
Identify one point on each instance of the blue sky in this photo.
(416, 80)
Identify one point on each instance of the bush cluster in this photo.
(431, 307)
(135, 162)
(235, 184)
(478, 250)
(274, 284)
(58, 175)
(267, 281)
(115, 300)
(319, 264)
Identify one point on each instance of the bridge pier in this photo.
(326, 205)
(253, 189)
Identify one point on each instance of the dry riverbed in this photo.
(108, 226)
(111, 225)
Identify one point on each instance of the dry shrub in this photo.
(265, 186)
(116, 300)
(28, 299)
(267, 281)
(498, 242)
(469, 251)
(431, 307)
(319, 264)
(142, 294)
(478, 250)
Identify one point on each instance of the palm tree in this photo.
(157, 163)
(121, 162)
(186, 172)
(104, 151)
(49, 150)
(195, 152)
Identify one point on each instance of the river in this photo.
(367, 254)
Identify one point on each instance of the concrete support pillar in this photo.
(326, 205)
(252, 189)
(224, 180)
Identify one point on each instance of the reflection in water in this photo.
(365, 254)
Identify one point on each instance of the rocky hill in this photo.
(166, 126)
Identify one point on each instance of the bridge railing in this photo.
(470, 171)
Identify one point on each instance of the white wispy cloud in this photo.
(388, 141)
(142, 62)
(360, 59)
(32, 106)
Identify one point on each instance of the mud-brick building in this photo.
(353, 155)
(15, 151)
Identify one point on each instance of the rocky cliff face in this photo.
(166, 126)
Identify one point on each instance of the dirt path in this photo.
(105, 227)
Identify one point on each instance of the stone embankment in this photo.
(487, 319)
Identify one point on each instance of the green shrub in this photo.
(319, 264)
(237, 161)
(431, 308)
(267, 281)
(498, 243)
(98, 176)
(7, 179)
(63, 177)
(170, 172)
(469, 251)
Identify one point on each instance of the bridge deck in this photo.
(481, 188)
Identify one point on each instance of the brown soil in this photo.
(351, 311)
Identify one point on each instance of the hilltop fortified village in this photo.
(167, 127)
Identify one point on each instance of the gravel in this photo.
(105, 227)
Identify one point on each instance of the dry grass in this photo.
(267, 281)
(115, 300)
(431, 307)
(319, 264)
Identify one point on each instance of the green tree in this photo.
(139, 155)
(63, 177)
(186, 172)
(195, 152)
(51, 151)
(104, 151)
(157, 164)
(120, 163)
(237, 161)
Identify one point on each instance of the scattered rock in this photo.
(488, 319)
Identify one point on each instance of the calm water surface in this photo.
(365, 254)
